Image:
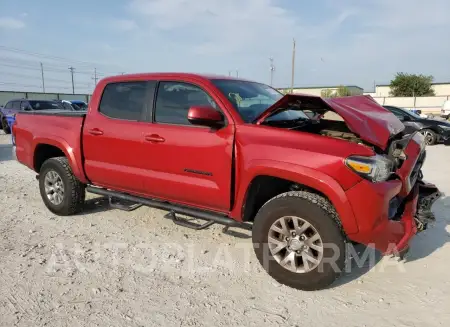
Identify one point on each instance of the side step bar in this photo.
(174, 209)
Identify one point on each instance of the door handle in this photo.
(95, 131)
(154, 138)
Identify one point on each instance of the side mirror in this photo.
(205, 116)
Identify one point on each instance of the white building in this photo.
(317, 90)
(383, 90)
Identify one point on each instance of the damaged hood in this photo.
(362, 114)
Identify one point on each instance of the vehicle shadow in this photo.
(99, 204)
(436, 236)
(422, 245)
(5, 152)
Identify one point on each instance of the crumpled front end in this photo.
(390, 213)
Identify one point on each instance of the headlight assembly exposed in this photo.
(376, 169)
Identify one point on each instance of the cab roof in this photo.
(140, 76)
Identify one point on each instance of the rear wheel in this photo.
(298, 240)
(62, 193)
(430, 136)
(5, 126)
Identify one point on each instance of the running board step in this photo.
(210, 217)
(186, 223)
(123, 204)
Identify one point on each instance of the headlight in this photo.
(375, 169)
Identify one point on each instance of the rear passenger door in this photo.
(113, 136)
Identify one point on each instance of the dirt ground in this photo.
(112, 268)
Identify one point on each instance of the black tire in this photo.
(322, 216)
(5, 126)
(430, 136)
(74, 190)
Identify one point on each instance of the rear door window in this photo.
(16, 105)
(9, 105)
(127, 100)
(24, 105)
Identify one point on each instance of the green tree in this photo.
(410, 85)
(327, 93)
(341, 91)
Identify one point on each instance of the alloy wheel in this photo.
(295, 244)
(54, 187)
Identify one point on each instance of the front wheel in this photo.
(430, 136)
(298, 240)
(62, 193)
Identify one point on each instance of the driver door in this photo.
(186, 163)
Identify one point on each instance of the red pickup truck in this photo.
(309, 174)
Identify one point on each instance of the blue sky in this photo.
(351, 42)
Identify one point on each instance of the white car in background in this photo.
(445, 111)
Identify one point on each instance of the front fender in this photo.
(73, 155)
(301, 175)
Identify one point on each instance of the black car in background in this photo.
(14, 106)
(435, 131)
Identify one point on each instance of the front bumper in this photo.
(443, 136)
(388, 234)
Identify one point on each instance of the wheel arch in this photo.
(45, 149)
(267, 183)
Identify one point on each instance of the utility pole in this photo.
(293, 67)
(42, 74)
(95, 76)
(229, 73)
(272, 70)
(237, 73)
(71, 72)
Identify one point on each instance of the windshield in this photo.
(251, 99)
(412, 113)
(43, 105)
(79, 105)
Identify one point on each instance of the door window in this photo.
(16, 105)
(126, 100)
(174, 100)
(9, 105)
(24, 105)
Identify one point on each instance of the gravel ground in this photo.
(113, 268)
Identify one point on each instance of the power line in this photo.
(37, 77)
(32, 64)
(46, 56)
(39, 86)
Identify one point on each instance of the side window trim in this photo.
(155, 98)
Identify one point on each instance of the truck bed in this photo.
(61, 129)
(65, 113)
